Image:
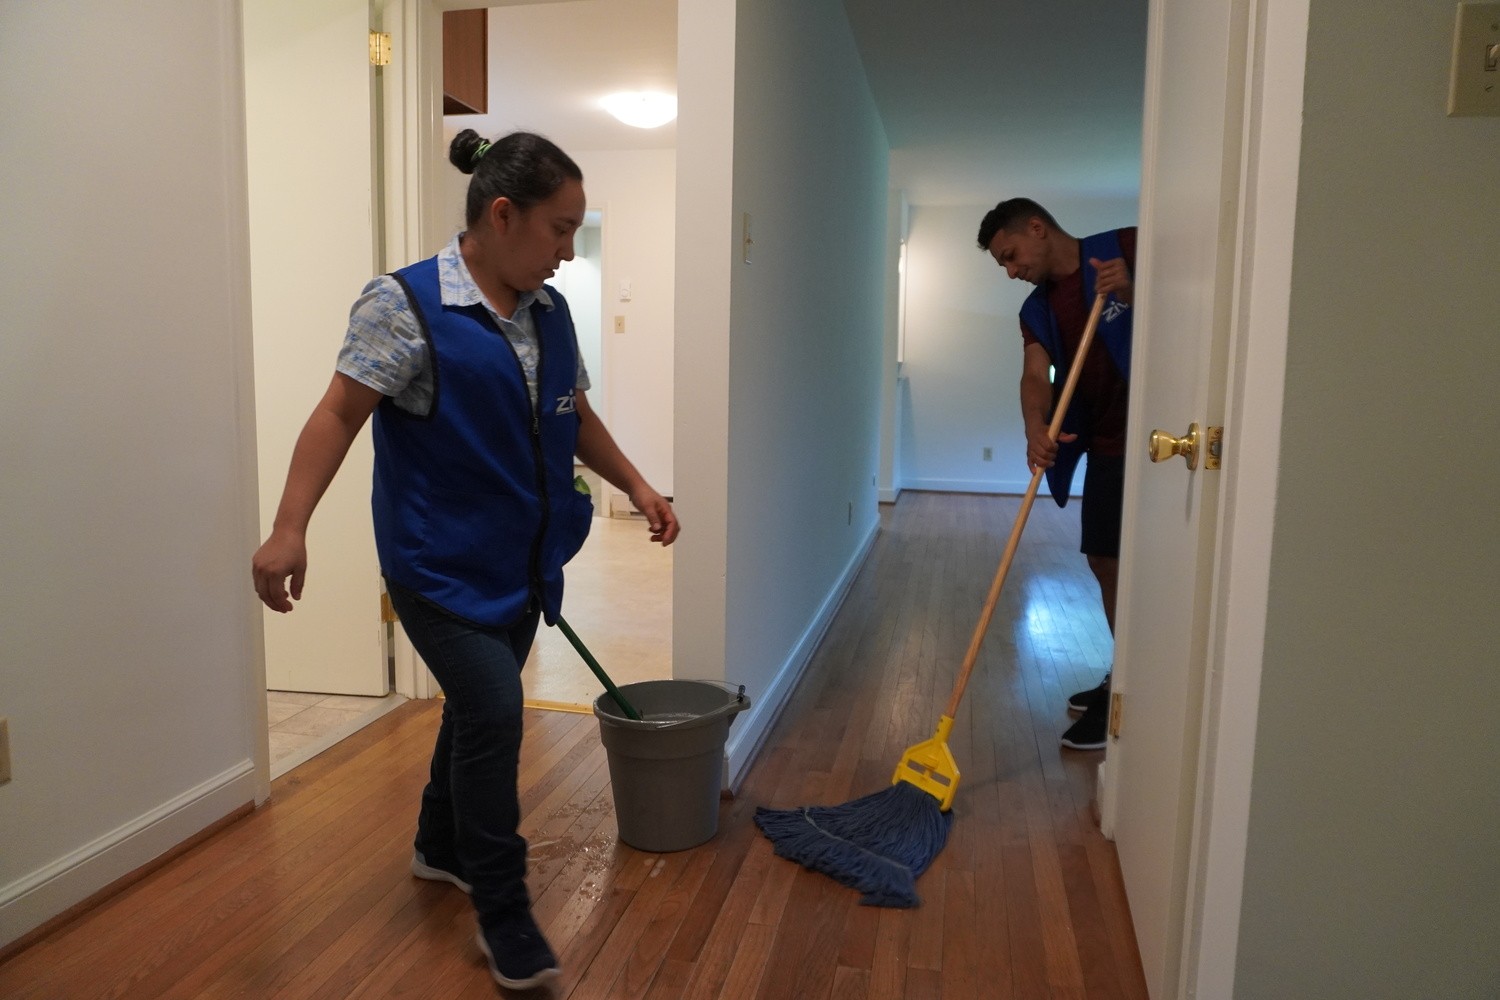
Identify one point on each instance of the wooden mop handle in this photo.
(1059, 412)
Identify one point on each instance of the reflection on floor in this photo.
(304, 725)
(619, 602)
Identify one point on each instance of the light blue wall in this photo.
(1371, 866)
(808, 325)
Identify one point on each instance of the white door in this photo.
(308, 97)
(1189, 201)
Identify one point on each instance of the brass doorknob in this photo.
(1164, 446)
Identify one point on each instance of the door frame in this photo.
(1258, 342)
(1240, 577)
(1264, 223)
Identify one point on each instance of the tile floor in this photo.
(304, 725)
(619, 602)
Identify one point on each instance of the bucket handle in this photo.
(733, 707)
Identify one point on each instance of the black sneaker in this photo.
(518, 954)
(437, 873)
(1084, 700)
(1089, 732)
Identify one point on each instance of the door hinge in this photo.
(380, 48)
(1215, 449)
(1116, 710)
(387, 610)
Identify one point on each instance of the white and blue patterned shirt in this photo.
(384, 348)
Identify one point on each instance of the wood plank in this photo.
(889, 970)
(1023, 920)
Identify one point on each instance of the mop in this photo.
(881, 843)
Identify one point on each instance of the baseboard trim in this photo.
(745, 742)
(967, 485)
(39, 902)
(543, 705)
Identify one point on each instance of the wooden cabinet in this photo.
(466, 76)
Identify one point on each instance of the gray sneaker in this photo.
(421, 869)
(517, 953)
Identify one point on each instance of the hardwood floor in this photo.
(310, 896)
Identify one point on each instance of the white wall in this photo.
(131, 633)
(801, 365)
(635, 190)
(1371, 865)
(963, 347)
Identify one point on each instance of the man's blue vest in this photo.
(474, 502)
(1114, 331)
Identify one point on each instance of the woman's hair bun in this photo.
(462, 149)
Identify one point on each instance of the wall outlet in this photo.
(4, 751)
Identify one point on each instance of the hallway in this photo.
(310, 896)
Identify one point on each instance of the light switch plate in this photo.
(1473, 88)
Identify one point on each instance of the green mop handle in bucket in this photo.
(609, 685)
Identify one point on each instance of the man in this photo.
(1068, 272)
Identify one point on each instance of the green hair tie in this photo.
(479, 151)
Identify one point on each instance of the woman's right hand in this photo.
(284, 554)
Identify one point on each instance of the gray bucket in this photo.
(666, 770)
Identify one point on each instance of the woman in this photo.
(471, 367)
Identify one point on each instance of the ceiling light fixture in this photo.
(642, 108)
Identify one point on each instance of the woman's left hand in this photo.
(659, 515)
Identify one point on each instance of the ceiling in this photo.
(981, 99)
(603, 46)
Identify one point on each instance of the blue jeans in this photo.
(470, 807)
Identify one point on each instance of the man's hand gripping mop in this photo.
(881, 843)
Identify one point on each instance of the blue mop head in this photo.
(878, 844)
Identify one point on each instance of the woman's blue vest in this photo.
(474, 502)
(1114, 331)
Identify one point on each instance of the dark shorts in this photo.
(1103, 493)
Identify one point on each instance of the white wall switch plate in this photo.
(1474, 80)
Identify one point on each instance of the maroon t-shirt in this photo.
(1101, 390)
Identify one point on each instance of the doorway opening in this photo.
(620, 290)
